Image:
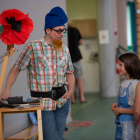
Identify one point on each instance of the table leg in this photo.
(1, 126)
(39, 118)
(36, 138)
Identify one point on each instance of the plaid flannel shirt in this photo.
(46, 68)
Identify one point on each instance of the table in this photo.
(37, 109)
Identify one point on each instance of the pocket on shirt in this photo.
(62, 62)
(44, 61)
(40, 64)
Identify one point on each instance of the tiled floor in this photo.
(98, 110)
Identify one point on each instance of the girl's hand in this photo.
(113, 106)
(116, 111)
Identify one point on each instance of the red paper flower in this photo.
(16, 27)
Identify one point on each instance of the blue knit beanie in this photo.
(56, 17)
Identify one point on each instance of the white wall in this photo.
(90, 67)
(81, 9)
(37, 10)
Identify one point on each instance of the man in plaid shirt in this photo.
(49, 69)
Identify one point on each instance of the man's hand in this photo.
(71, 80)
(11, 78)
(67, 94)
(5, 94)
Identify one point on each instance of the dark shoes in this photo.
(66, 129)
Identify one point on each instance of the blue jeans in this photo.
(54, 122)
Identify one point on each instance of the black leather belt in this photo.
(55, 93)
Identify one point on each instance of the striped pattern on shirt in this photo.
(46, 68)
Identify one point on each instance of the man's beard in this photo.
(58, 44)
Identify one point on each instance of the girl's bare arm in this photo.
(136, 112)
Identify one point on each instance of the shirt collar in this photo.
(45, 42)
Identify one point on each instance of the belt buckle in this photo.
(53, 93)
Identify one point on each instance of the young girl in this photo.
(129, 66)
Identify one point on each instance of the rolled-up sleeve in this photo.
(69, 65)
(24, 58)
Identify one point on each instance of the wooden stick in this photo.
(1, 126)
(39, 118)
(9, 48)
